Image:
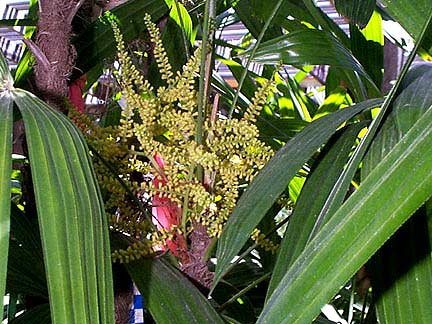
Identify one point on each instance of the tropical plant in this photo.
(350, 176)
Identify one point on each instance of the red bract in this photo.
(166, 213)
(76, 89)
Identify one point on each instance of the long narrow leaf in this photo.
(401, 293)
(367, 46)
(5, 180)
(357, 11)
(72, 221)
(384, 201)
(5, 166)
(326, 22)
(401, 289)
(406, 12)
(337, 195)
(167, 294)
(273, 179)
(311, 200)
(298, 48)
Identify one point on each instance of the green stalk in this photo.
(185, 208)
(363, 311)
(244, 290)
(204, 78)
(205, 71)
(252, 55)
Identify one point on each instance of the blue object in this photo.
(137, 311)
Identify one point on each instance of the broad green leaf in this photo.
(311, 200)
(338, 193)
(167, 294)
(97, 41)
(276, 131)
(253, 13)
(401, 288)
(273, 179)
(6, 118)
(326, 22)
(282, 129)
(410, 104)
(357, 11)
(183, 20)
(299, 48)
(294, 188)
(401, 293)
(254, 21)
(332, 103)
(293, 101)
(383, 202)
(349, 78)
(407, 13)
(24, 69)
(367, 45)
(299, 100)
(72, 221)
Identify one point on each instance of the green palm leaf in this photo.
(72, 222)
(273, 179)
(384, 201)
(399, 287)
(357, 11)
(167, 293)
(299, 48)
(5, 173)
(312, 198)
(406, 12)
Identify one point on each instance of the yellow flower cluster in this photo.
(104, 142)
(133, 252)
(264, 242)
(231, 154)
(123, 215)
(162, 123)
(160, 54)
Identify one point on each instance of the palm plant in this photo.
(357, 178)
